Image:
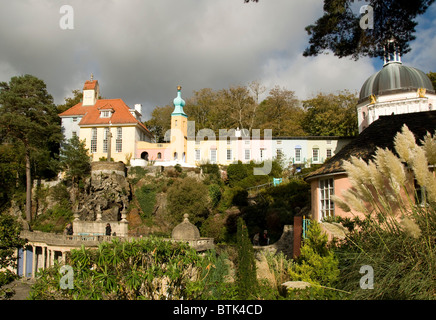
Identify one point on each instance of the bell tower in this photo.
(179, 129)
(91, 91)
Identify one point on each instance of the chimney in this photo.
(138, 109)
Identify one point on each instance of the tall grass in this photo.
(397, 238)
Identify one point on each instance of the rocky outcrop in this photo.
(105, 197)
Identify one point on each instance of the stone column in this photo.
(34, 260)
(24, 261)
(43, 257)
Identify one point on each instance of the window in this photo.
(279, 154)
(279, 141)
(329, 141)
(175, 155)
(229, 154)
(74, 134)
(229, 141)
(262, 154)
(74, 119)
(197, 155)
(105, 114)
(247, 142)
(247, 154)
(329, 153)
(327, 206)
(119, 142)
(93, 140)
(159, 155)
(315, 155)
(213, 155)
(297, 155)
(105, 139)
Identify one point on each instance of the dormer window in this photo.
(105, 114)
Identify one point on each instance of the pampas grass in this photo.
(398, 236)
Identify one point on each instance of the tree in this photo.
(160, 122)
(189, 196)
(246, 278)
(71, 101)
(9, 241)
(432, 76)
(75, 160)
(331, 115)
(29, 116)
(340, 31)
(11, 167)
(281, 112)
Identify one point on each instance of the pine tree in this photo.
(28, 116)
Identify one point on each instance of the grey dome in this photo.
(185, 231)
(395, 78)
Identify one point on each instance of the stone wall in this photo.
(284, 244)
(120, 228)
(108, 167)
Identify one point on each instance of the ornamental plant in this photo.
(149, 268)
(397, 237)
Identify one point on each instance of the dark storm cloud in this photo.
(140, 50)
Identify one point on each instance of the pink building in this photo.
(331, 178)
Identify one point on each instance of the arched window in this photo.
(159, 155)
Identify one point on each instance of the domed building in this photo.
(396, 89)
(395, 96)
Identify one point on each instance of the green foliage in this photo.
(316, 264)
(190, 196)
(246, 277)
(214, 194)
(331, 115)
(339, 30)
(11, 172)
(54, 219)
(28, 117)
(146, 196)
(404, 265)
(236, 172)
(9, 242)
(149, 268)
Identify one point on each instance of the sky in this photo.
(141, 50)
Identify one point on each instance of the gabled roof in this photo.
(91, 114)
(380, 133)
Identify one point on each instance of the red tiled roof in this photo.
(90, 85)
(91, 114)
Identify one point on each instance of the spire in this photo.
(179, 103)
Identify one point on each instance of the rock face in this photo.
(106, 196)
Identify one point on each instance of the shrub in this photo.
(188, 196)
(146, 196)
(149, 268)
(317, 265)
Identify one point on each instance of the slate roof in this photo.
(380, 133)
